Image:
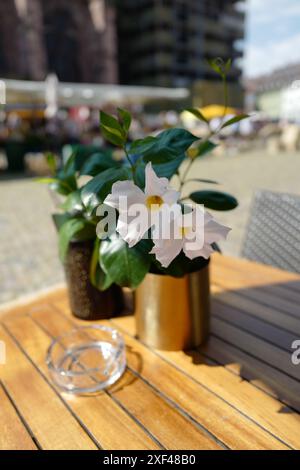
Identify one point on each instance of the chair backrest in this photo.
(273, 232)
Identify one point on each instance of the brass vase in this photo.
(173, 313)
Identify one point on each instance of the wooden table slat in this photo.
(256, 273)
(258, 348)
(252, 324)
(96, 411)
(14, 435)
(200, 402)
(242, 395)
(40, 406)
(157, 418)
(268, 314)
(239, 391)
(263, 376)
(197, 401)
(277, 296)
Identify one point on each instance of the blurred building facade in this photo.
(135, 42)
(167, 42)
(276, 95)
(75, 39)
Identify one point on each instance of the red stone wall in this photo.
(22, 39)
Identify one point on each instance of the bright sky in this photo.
(273, 35)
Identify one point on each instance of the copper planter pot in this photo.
(173, 313)
(87, 302)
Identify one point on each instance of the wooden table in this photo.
(240, 391)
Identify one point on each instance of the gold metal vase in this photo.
(173, 313)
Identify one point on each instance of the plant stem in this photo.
(130, 161)
(225, 85)
(211, 132)
(185, 173)
(191, 161)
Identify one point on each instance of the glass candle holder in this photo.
(87, 359)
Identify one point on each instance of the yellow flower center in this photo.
(184, 231)
(192, 153)
(154, 202)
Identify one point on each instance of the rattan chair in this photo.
(273, 232)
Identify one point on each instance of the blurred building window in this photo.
(3, 65)
(62, 45)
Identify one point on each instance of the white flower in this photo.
(193, 233)
(129, 199)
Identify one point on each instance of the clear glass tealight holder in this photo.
(87, 359)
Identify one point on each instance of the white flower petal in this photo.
(203, 250)
(131, 228)
(170, 197)
(165, 251)
(124, 189)
(153, 184)
(195, 218)
(214, 231)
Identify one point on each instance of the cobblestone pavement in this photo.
(28, 244)
(28, 241)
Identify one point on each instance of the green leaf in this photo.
(51, 161)
(227, 65)
(166, 170)
(141, 146)
(67, 232)
(126, 266)
(125, 118)
(215, 200)
(46, 180)
(169, 169)
(235, 119)
(73, 203)
(60, 219)
(67, 175)
(204, 148)
(218, 66)
(201, 180)
(112, 129)
(96, 190)
(99, 162)
(112, 137)
(63, 187)
(104, 280)
(59, 185)
(80, 154)
(180, 266)
(197, 113)
(166, 146)
(88, 160)
(213, 65)
(111, 123)
(69, 168)
(98, 278)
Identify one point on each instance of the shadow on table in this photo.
(252, 331)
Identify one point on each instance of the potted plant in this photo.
(170, 278)
(78, 243)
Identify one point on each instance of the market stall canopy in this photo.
(29, 93)
(216, 110)
(209, 112)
